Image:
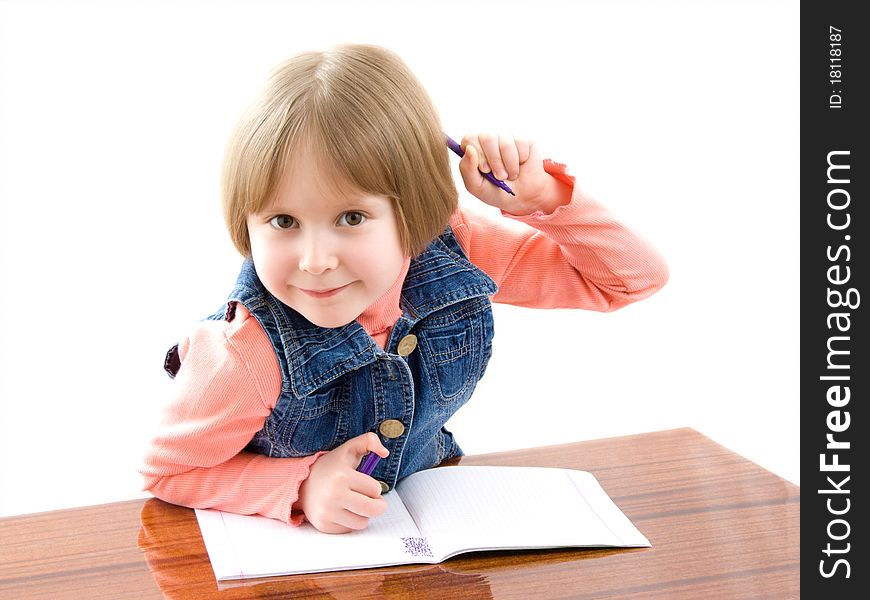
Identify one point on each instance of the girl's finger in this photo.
(374, 444)
(469, 169)
(350, 520)
(364, 484)
(491, 155)
(523, 150)
(364, 506)
(472, 140)
(355, 448)
(509, 155)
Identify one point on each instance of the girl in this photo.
(361, 319)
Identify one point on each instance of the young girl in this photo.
(361, 319)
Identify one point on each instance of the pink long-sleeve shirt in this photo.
(578, 256)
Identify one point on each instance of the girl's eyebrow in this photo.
(361, 202)
(343, 202)
(374, 201)
(359, 199)
(272, 209)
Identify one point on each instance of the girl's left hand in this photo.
(518, 163)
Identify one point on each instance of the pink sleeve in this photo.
(227, 385)
(578, 256)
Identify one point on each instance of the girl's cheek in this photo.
(375, 253)
(276, 258)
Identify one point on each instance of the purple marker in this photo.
(458, 150)
(368, 463)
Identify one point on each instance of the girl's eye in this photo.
(283, 222)
(352, 219)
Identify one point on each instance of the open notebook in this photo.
(432, 515)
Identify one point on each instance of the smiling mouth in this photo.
(328, 293)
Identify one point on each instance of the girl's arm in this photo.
(227, 385)
(573, 254)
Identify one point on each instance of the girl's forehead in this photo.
(306, 179)
(314, 191)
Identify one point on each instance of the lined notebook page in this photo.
(242, 546)
(463, 508)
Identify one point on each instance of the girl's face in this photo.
(326, 255)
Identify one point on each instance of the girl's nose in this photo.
(317, 256)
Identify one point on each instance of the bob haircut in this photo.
(365, 118)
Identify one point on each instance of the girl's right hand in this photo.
(336, 498)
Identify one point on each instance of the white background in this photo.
(682, 117)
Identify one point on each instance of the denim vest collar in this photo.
(315, 356)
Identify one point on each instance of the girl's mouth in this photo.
(325, 293)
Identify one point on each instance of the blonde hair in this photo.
(365, 118)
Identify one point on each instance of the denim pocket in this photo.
(303, 426)
(322, 423)
(453, 343)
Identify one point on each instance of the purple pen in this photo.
(368, 463)
(458, 150)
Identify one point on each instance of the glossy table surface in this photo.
(720, 527)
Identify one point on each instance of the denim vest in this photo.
(337, 383)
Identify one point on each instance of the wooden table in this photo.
(720, 527)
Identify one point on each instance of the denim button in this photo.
(391, 428)
(407, 344)
(384, 487)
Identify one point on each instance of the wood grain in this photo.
(720, 527)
